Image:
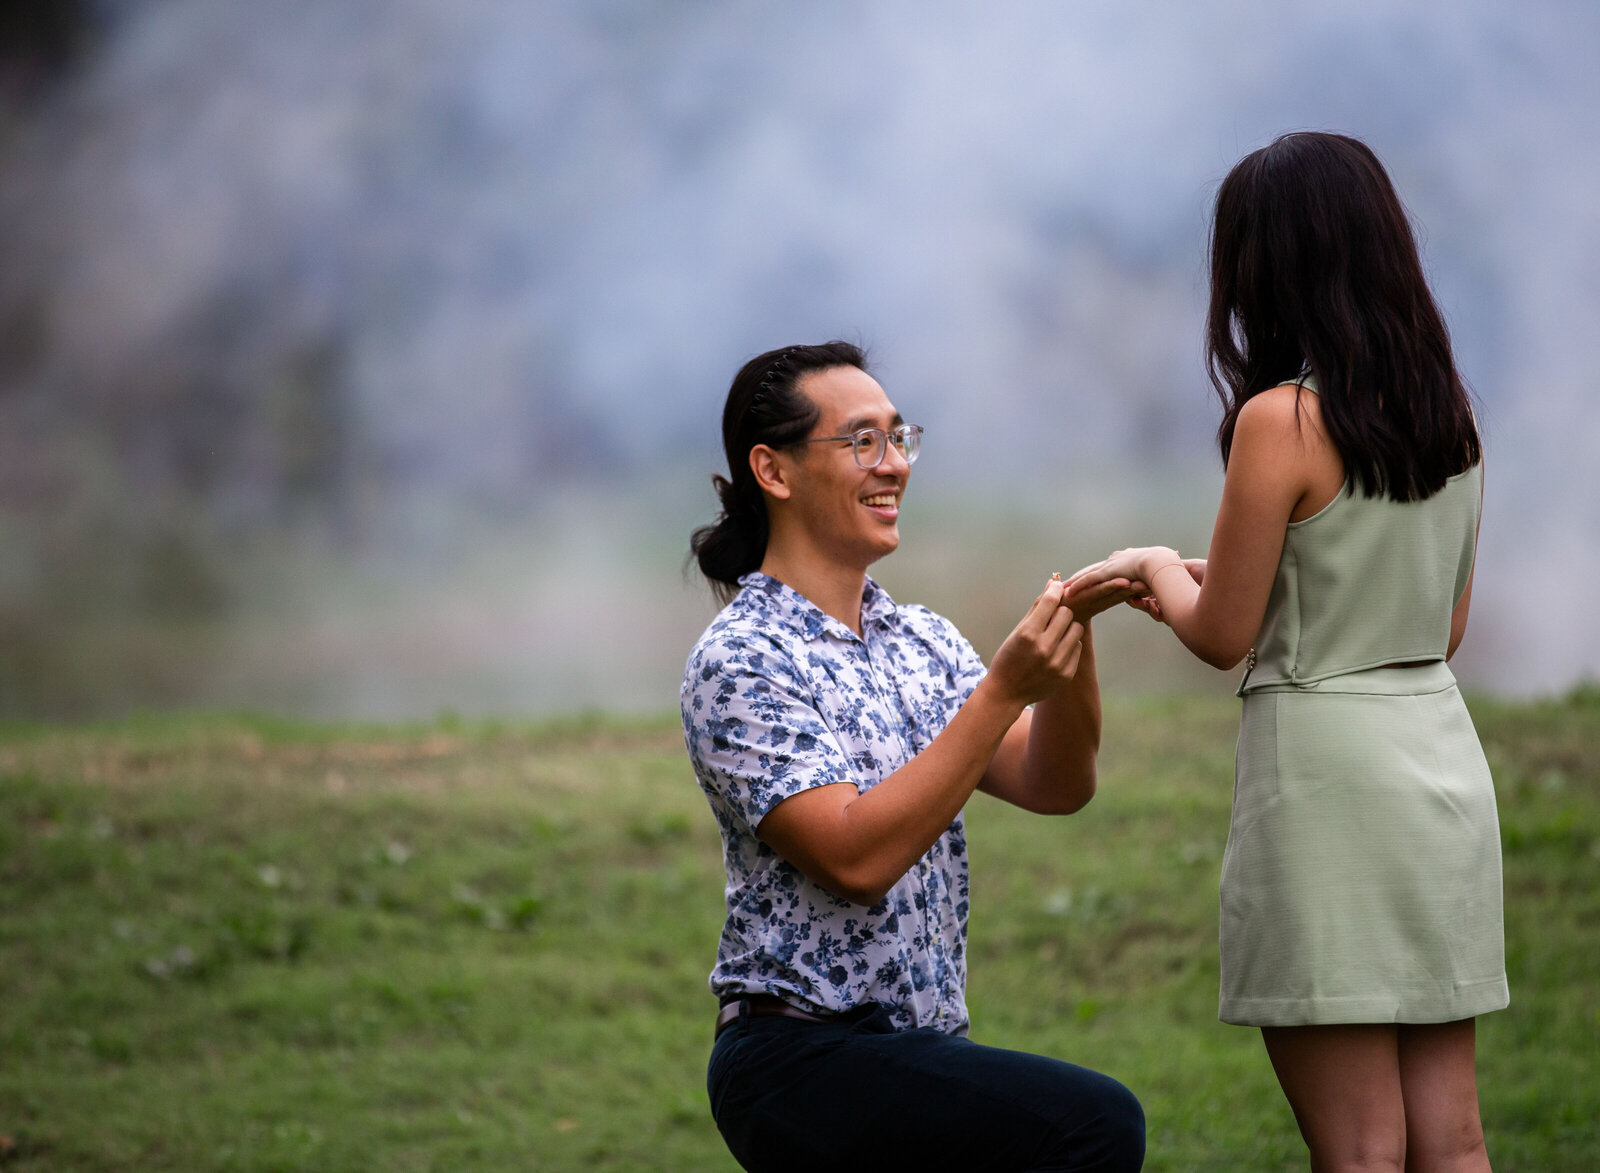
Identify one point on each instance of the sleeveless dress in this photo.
(1361, 880)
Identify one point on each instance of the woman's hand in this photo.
(1151, 606)
(1135, 565)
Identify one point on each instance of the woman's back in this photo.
(1368, 581)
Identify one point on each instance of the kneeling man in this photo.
(837, 736)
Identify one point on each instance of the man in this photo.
(837, 737)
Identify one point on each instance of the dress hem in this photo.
(1472, 999)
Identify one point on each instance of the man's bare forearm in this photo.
(1064, 740)
(884, 831)
(858, 844)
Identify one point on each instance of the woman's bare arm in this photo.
(1280, 463)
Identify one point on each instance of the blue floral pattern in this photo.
(778, 698)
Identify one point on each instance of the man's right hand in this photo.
(1041, 653)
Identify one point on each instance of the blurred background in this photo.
(363, 358)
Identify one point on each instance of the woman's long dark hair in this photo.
(1313, 264)
(765, 406)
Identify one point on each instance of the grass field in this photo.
(234, 944)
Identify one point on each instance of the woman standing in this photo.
(1361, 896)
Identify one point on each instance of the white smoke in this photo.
(540, 238)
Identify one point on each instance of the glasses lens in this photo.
(908, 439)
(870, 444)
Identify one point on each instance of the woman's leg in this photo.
(1437, 1078)
(1343, 1083)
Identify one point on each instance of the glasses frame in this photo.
(907, 439)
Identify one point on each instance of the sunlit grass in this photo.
(240, 944)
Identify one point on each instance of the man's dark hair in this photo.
(765, 406)
(1313, 264)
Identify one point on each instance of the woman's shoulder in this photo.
(1289, 410)
(1285, 399)
(1279, 436)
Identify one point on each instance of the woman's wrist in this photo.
(1157, 560)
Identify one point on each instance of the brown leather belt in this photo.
(764, 1006)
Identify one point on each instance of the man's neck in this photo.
(834, 588)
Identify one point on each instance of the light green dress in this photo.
(1361, 881)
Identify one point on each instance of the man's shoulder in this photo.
(740, 639)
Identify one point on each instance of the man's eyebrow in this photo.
(866, 421)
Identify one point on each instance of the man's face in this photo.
(848, 510)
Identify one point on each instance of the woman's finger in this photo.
(1083, 570)
(1087, 577)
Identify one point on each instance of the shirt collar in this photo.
(807, 618)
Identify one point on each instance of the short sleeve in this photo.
(754, 734)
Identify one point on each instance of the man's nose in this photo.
(894, 461)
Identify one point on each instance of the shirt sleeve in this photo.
(755, 736)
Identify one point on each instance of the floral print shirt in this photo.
(778, 698)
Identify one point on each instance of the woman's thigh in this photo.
(1439, 1081)
(1343, 1083)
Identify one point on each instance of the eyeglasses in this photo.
(870, 445)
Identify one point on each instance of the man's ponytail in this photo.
(765, 406)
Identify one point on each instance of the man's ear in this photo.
(770, 472)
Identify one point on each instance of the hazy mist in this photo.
(365, 358)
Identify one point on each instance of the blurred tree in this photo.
(40, 40)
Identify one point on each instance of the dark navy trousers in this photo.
(858, 1094)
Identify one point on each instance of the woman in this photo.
(1361, 905)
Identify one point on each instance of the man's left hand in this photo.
(1090, 600)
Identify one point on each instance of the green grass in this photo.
(239, 944)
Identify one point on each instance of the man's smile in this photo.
(884, 504)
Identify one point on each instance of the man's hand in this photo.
(1046, 763)
(1041, 653)
(1092, 600)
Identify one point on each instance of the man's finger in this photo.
(1043, 607)
(1070, 668)
(1050, 598)
(1066, 652)
(1063, 651)
(1057, 626)
(1099, 590)
(1073, 636)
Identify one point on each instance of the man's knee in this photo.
(1124, 1129)
(1103, 1131)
